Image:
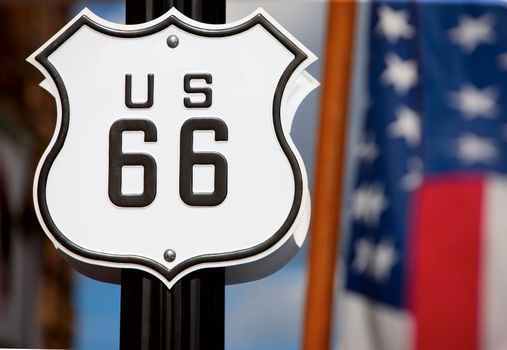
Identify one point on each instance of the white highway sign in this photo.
(172, 148)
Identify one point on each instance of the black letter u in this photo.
(128, 92)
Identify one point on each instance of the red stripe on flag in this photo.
(444, 274)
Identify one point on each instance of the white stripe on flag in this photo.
(371, 326)
(494, 265)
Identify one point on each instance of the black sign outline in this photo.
(84, 20)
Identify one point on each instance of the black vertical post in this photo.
(191, 314)
(208, 11)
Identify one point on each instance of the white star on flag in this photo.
(474, 103)
(394, 24)
(502, 61)
(375, 260)
(384, 260)
(367, 150)
(368, 203)
(406, 125)
(414, 177)
(364, 251)
(473, 149)
(471, 32)
(401, 74)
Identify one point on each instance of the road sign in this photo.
(172, 150)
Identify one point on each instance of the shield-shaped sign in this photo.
(172, 150)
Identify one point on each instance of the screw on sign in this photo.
(172, 150)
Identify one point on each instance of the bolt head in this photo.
(172, 41)
(169, 255)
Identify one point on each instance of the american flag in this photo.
(426, 262)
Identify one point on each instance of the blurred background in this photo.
(45, 304)
(404, 144)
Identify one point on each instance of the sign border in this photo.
(258, 19)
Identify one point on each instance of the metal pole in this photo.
(139, 11)
(191, 314)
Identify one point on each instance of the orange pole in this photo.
(329, 176)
